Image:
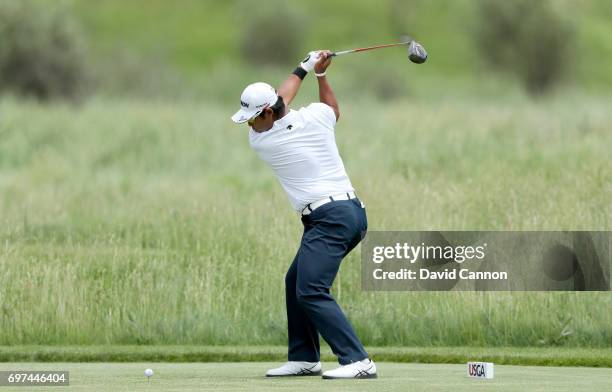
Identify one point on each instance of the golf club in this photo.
(416, 52)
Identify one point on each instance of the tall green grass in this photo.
(154, 223)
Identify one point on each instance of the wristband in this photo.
(300, 73)
(321, 74)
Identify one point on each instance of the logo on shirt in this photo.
(289, 126)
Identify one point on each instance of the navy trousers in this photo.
(330, 233)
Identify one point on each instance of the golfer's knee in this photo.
(306, 298)
(302, 299)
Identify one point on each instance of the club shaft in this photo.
(368, 48)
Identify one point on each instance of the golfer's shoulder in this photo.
(320, 108)
(321, 113)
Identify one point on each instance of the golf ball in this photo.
(149, 372)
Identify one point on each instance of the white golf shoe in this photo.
(360, 369)
(295, 368)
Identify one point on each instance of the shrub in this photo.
(124, 72)
(273, 35)
(41, 53)
(526, 38)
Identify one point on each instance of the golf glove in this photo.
(309, 61)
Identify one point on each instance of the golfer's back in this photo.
(301, 149)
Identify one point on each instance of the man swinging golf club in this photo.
(300, 146)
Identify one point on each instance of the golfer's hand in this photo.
(310, 60)
(324, 61)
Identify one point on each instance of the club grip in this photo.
(334, 54)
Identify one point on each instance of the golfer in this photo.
(300, 147)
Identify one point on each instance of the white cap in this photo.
(254, 99)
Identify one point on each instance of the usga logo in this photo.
(480, 369)
(477, 370)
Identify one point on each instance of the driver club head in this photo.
(416, 53)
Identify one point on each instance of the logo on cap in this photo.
(244, 104)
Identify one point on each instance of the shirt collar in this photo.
(288, 119)
(285, 121)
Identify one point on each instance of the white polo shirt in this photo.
(301, 149)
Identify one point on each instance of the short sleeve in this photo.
(323, 114)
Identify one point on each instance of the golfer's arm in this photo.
(289, 88)
(326, 95)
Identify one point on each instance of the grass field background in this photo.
(131, 222)
(137, 226)
(204, 38)
(238, 376)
